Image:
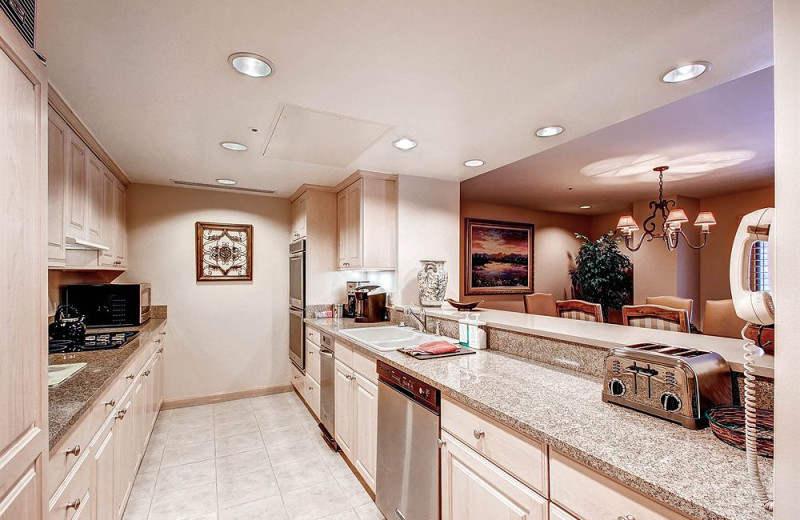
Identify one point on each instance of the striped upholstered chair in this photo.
(579, 310)
(655, 317)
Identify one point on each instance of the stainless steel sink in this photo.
(386, 339)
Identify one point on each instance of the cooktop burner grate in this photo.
(100, 341)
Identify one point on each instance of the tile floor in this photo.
(251, 459)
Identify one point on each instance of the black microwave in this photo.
(110, 304)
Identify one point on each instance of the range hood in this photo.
(85, 245)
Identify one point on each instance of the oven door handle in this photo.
(326, 353)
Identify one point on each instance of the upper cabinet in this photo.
(299, 218)
(367, 223)
(86, 204)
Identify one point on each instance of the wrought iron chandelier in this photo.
(672, 221)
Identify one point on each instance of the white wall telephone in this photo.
(755, 307)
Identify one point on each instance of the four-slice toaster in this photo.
(675, 383)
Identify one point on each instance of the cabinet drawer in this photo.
(589, 495)
(312, 360)
(297, 378)
(67, 453)
(344, 353)
(524, 458)
(313, 336)
(312, 394)
(556, 513)
(73, 499)
(104, 406)
(365, 366)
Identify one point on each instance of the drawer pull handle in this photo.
(112, 402)
(121, 414)
(627, 517)
(75, 504)
(146, 374)
(130, 376)
(158, 340)
(478, 434)
(164, 333)
(75, 451)
(442, 443)
(161, 350)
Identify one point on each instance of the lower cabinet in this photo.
(356, 419)
(556, 513)
(312, 396)
(473, 488)
(103, 453)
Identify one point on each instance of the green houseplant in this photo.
(602, 274)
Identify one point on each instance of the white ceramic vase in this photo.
(432, 282)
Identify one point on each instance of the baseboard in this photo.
(169, 404)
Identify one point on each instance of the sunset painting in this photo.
(499, 257)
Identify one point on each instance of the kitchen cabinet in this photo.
(23, 290)
(366, 434)
(473, 488)
(298, 380)
(94, 200)
(312, 394)
(120, 241)
(367, 224)
(299, 218)
(77, 188)
(556, 513)
(104, 476)
(109, 217)
(58, 139)
(344, 418)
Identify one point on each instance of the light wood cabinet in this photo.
(366, 420)
(344, 418)
(556, 513)
(109, 224)
(299, 218)
(367, 224)
(77, 188)
(95, 201)
(23, 291)
(312, 394)
(475, 489)
(120, 242)
(104, 475)
(298, 381)
(58, 137)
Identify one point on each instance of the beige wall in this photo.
(554, 249)
(427, 229)
(223, 336)
(599, 225)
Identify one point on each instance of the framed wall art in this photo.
(499, 257)
(224, 252)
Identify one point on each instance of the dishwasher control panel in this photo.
(420, 391)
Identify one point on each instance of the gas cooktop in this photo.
(104, 341)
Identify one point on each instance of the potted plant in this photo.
(602, 274)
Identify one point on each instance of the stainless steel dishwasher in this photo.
(407, 480)
(327, 376)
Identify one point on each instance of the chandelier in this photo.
(673, 219)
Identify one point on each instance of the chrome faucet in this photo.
(421, 317)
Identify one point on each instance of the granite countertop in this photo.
(71, 399)
(608, 335)
(691, 471)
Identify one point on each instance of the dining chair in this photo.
(655, 317)
(673, 302)
(580, 310)
(720, 319)
(540, 303)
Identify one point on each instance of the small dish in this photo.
(465, 306)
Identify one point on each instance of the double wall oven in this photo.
(297, 302)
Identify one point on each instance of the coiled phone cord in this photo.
(751, 351)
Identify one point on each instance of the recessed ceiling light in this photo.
(549, 131)
(404, 143)
(473, 163)
(685, 72)
(585, 206)
(236, 147)
(226, 182)
(251, 65)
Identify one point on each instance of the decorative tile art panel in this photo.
(224, 252)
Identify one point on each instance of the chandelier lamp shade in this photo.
(672, 221)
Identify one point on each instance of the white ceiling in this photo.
(718, 141)
(466, 78)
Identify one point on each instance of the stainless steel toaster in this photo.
(674, 383)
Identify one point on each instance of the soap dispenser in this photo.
(472, 332)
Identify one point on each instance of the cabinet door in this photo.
(77, 188)
(366, 425)
(109, 224)
(23, 290)
(301, 217)
(475, 489)
(57, 156)
(95, 201)
(354, 202)
(341, 226)
(343, 404)
(104, 475)
(312, 394)
(121, 234)
(556, 513)
(123, 449)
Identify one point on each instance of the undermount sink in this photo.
(57, 374)
(385, 339)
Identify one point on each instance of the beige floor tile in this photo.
(179, 454)
(268, 419)
(137, 508)
(209, 516)
(283, 434)
(151, 459)
(338, 466)
(350, 514)
(353, 490)
(145, 484)
(369, 511)
(240, 489)
(185, 503)
(187, 475)
(236, 427)
(239, 443)
(242, 463)
(193, 411)
(230, 406)
(295, 451)
(303, 473)
(315, 502)
(190, 433)
(265, 509)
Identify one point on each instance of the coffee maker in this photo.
(350, 307)
(370, 304)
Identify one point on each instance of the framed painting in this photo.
(224, 252)
(499, 257)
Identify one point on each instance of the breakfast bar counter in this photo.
(690, 471)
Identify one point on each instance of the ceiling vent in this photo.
(224, 188)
